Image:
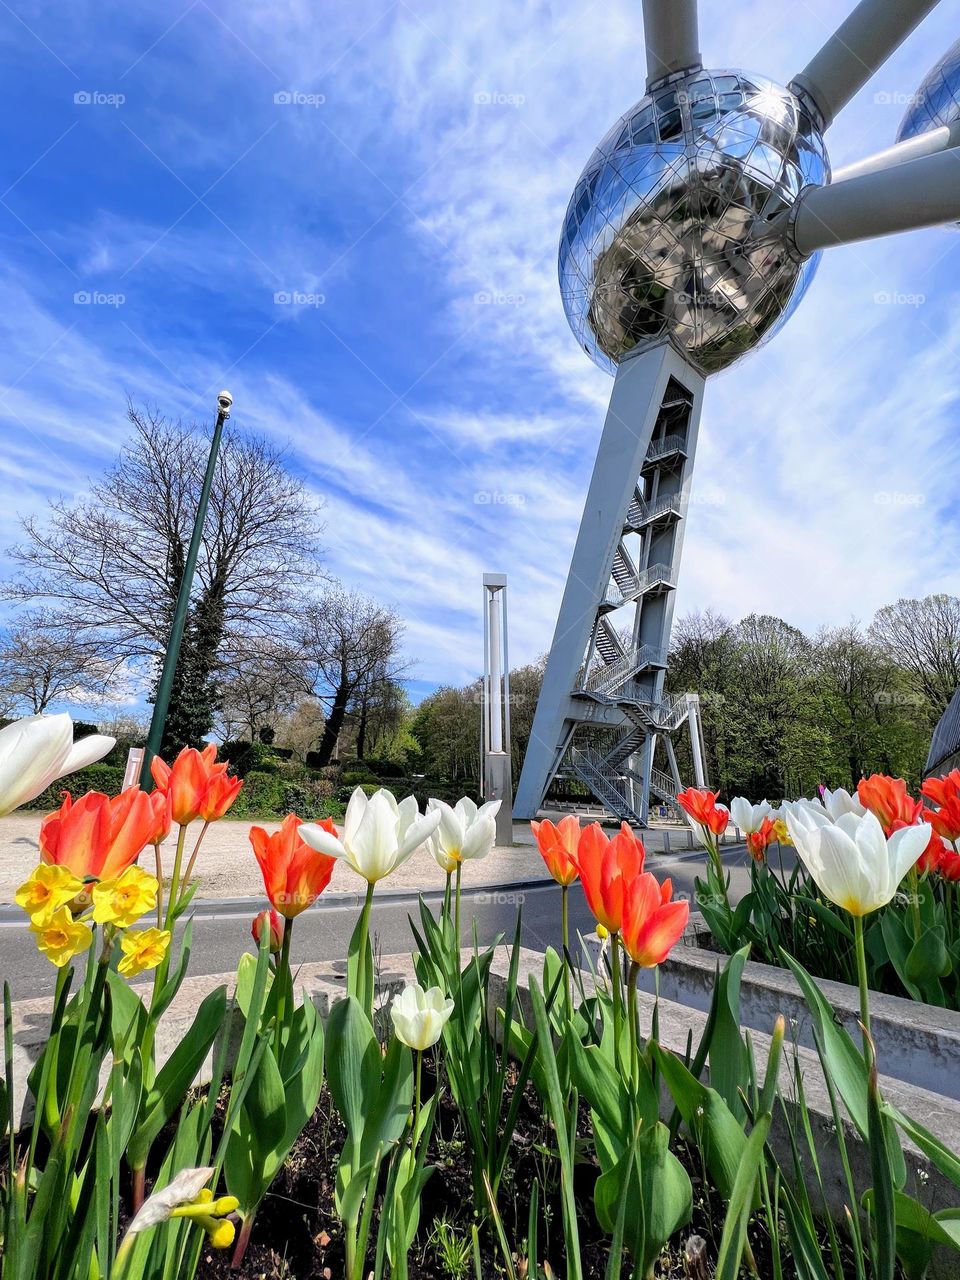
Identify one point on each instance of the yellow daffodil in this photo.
(124, 900)
(183, 1198)
(60, 937)
(47, 889)
(210, 1214)
(142, 949)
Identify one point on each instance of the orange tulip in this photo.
(98, 837)
(221, 792)
(702, 807)
(161, 817)
(945, 820)
(187, 782)
(294, 875)
(759, 841)
(606, 868)
(652, 924)
(558, 847)
(269, 920)
(887, 798)
(943, 790)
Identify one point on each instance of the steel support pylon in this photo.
(601, 708)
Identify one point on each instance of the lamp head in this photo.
(225, 400)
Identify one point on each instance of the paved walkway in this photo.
(228, 869)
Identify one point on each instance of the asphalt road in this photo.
(222, 927)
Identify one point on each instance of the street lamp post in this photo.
(165, 685)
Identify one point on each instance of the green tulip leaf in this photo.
(715, 1128)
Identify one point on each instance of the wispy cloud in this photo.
(353, 223)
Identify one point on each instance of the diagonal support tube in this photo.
(918, 193)
(672, 37)
(924, 144)
(859, 46)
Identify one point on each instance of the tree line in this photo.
(270, 635)
(276, 650)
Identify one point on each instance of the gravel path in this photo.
(228, 868)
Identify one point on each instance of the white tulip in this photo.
(465, 832)
(749, 817)
(419, 1015)
(378, 833)
(839, 802)
(852, 862)
(36, 751)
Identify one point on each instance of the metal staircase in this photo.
(613, 707)
(612, 791)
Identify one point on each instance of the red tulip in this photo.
(943, 790)
(702, 807)
(887, 798)
(606, 868)
(759, 841)
(558, 847)
(945, 820)
(98, 836)
(652, 924)
(294, 875)
(188, 781)
(271, 921)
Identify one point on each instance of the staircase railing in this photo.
(640, 511)
(674, 443)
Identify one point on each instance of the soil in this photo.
(297, 1234)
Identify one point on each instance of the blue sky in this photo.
(401, 172)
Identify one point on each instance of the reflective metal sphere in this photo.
(668, 232)
(937, 101)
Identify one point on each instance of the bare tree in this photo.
(113, 562)
(261, 685)
(350, 644)
(923, 637)
(45, 660)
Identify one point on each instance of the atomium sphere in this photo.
(676, 228)
(937, 101)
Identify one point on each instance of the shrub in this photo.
(267, 796)
(357, 777)
(107, 778)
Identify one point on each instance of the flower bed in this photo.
(473, 1124)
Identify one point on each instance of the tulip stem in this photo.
(459, 874)
(156, 850)
(196, 849)
(283, 977)
(446, 896)
(416, 1100)
(862, 977)
(617, 986)
(565, 928)
(175, 878)
(632, 1014)
(913, 880)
